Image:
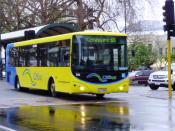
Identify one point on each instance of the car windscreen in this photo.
(166, 68)
(131, 74)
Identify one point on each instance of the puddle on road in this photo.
(95, 117)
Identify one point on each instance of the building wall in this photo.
(157, 41)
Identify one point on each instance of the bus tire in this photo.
(100, 96)
(17, 84)
(153, 87)
(52, 91)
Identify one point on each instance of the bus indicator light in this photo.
(121, 88)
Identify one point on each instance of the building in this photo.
(152, 34)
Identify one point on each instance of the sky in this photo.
(154, 12)
(146, 11)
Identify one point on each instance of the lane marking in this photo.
(6, 128)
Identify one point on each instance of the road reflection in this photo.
(95, 117)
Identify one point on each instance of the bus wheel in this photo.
(17, 84)
(100, 96)
(52, 88)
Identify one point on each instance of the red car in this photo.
(139, 76)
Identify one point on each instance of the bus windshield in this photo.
(99, 53)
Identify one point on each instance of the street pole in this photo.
(168, 18)
(169, 68)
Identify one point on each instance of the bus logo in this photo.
(27, 73)
(104, 78)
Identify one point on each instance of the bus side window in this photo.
(66, 56)
(22, 56)
(11, 60)
(65, 53)
(14, 57)
(21, 61)
(42, 55)
(32, 56)
(53, 54)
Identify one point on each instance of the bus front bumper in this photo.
(121, 86)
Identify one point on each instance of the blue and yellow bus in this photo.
(80, 62)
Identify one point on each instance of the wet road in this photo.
(88, 117)
(139, 110)
(118, 116)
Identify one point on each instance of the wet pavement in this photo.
(139, 110)
(88, 117)
(110, 116)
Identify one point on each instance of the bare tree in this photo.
(13, 14)
(110, 14)
(21, 14)
(44, 11)
(102, 14)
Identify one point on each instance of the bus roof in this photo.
(66, 36)
(98, 33)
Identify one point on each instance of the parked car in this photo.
(3, 67)
(139, 76)
(160, 78)
(3, 74)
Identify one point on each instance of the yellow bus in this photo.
(79, 62)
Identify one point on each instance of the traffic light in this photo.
(168, 15)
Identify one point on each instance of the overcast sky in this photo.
(154, 12)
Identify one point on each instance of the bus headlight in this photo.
(121, 88)
(82, 88)
(121, 110)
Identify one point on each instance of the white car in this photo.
(160, 78)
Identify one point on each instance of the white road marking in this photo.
(6, 128)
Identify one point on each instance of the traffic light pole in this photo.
(169, 26)
(169, 67)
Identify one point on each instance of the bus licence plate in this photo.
(102, 90)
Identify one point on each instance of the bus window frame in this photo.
(24, 56)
